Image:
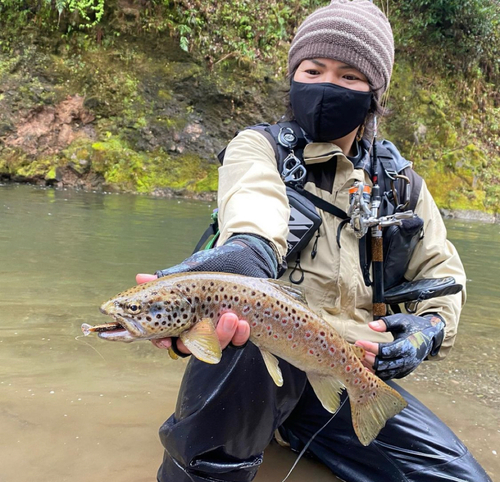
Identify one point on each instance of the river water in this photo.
(80, 409)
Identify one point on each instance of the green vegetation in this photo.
(129, 170)
(455, 35)
(166, 83)
(445, 97)
(453, 142)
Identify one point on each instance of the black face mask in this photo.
(327, 111)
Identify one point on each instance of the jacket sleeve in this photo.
(252, 197)
(436, 257)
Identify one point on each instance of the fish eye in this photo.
(134, 308)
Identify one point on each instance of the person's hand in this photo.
(415, 337)
(144, 278)
(230, 329)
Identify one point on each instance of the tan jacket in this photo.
(252, 199)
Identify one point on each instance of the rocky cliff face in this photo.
(140, 115)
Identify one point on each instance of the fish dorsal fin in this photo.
(358, 351)
(294, 291)
(202, 341)
(272, 367)
(327, 389)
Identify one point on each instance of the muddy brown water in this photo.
(80, 409)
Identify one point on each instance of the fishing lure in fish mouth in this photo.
(189, 305)
(88, 329)
(120, 329)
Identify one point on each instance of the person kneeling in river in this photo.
(340, 63)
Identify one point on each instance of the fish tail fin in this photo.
(372, 407)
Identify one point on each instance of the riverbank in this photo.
(211, 196)
(132, 111)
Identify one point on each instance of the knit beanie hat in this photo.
(354, 32)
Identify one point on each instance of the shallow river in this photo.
(81, 409)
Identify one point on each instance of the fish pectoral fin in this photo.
(327, 389)
(359, 351)
(172, 354)
(272, 367)
(203, 342)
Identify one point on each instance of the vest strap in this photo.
(322, 204)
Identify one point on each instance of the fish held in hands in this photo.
(188, 305)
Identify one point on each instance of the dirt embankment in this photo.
(50, 129)
(140, 115)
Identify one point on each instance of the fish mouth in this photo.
(117, 330)
(114, 331)
(116, 335)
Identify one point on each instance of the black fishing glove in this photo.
(245, 254)
(415, 337)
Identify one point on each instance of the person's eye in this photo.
(312, 72)
(351, 77)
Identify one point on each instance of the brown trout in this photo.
(188, 305)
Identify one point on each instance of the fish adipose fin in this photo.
(272, 367)
(202, 341)
(327, 389)
(371, 408)
(292, 291)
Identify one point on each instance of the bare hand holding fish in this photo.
(188, 304)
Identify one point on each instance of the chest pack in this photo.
(399, 185)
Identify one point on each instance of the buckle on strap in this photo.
(293, 169)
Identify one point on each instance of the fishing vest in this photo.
(288, 142)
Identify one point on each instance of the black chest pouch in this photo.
(399, 244)
(304, 222)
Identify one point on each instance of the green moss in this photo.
(210, 182)
(51, 174)
(179, 71)
(172, 123)
(35, 169)
(130, 170)
(165, 95)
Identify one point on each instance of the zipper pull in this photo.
(298, 268)
(314, 251)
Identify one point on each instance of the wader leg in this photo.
(225, 417)
(414, 445)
